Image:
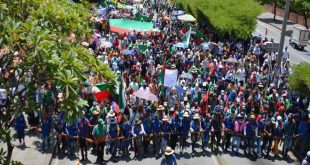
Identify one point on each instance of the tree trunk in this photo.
(274, 10)
(306, 20)
(10, 148)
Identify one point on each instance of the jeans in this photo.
(287, 143)
(164, 142)
(258, 145)
(205, 139)
(266, 140)
(249, 144)
(72, 145)
(45, 139)
(236, 142)
(113, 148)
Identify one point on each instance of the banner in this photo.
(171, 77)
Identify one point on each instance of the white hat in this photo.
(279, 118)
(111, 113)
(308, 154)
(185, 98)
(168, 151)
(196, 116)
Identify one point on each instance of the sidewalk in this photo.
(30, 154)
(267, 17)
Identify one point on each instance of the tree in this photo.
(300, 79)
(230, 18)
(40, 44)
(302, 7)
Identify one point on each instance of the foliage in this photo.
(40, 43)
(300, 79)
(234, 18)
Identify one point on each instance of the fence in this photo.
(292, 16)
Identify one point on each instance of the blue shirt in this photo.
(185, 126)
(126, 127)
(147, 126)
(71, 130)
(20, 123)
(175, 124)
(46, 127)
(156, 123)
(113, 130)
(165, 128)
(168, 160)
(228, 123)
(250, 128)
(83, 127)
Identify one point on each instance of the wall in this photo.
(292, 16)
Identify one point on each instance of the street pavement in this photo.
(274, 31)
(32, 155)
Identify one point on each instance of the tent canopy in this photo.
(125, 26)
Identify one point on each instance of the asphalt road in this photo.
(208, 158)
(296, 56)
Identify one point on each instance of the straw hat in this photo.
(260, 85)
(239, 116)
(252, 116)
(160, 108)
(173, 66)
(186, 114)
(165, 118)
(137, 122)
(171, 109)
(168, 151)
(111, 113)
(196, 116)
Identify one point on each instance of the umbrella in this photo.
(178, 87)
(166, 18)
(181, 45)
(177, 12)
(204, 46)
(186, 75)
(128, 52)
(145, 94)
(105, 44)
(187, 18)
(232, 60)
(92, 89)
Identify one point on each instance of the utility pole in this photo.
(280, 53)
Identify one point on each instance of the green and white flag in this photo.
(187, 36)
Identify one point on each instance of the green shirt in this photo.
(99, 132)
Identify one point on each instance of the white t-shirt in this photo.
(241, 74)
(285, 54)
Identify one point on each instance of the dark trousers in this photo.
(21, 135)
(113, 148)
(218, 137)
(227, 140)
(83, 147)
(173, 141)
(100, 151)
(267, 141)
(146, 143)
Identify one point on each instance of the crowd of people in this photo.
(229, 99)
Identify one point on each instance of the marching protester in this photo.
(171, 84)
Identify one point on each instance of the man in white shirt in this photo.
(240, 75)
(286, 55)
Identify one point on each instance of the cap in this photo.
(279, 118)
(100, 121)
